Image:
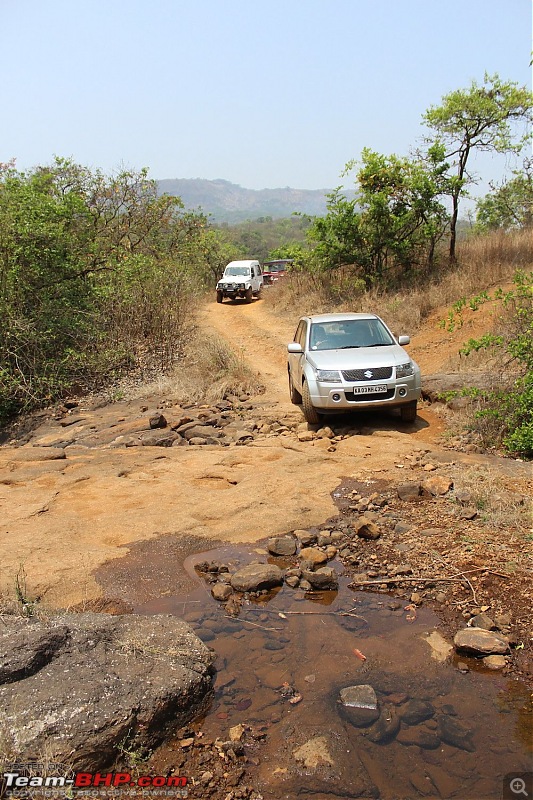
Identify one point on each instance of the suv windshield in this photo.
(237, 271)
(349, 333)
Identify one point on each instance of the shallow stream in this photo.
(472, 729)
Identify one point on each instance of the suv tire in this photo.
(296, 397)
(408, 412)
(220, 297)
(310, 413)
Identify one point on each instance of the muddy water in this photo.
(305, 649)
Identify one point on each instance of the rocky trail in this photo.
(103, 504)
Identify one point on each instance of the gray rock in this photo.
(91, 680)
(305, 537)
(409, 491)
(157, 421)
(436, 386)
(203, 431)
(483, 621)
(359, 696)
(282, 546)
(254, 577)
(478, 642)
(27, 650)
(323, 578)
(359, 705)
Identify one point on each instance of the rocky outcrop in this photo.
(76, 686)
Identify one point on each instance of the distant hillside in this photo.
(228, 202)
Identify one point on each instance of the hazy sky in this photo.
(264, 94)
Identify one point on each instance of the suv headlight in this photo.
(328, 375)
(404, 370)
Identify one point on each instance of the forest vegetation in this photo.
(100, 274)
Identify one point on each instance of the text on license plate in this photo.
(369, 389)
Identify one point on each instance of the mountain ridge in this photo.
(229, 202)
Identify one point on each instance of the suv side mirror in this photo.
(404, 340)
(294, 347)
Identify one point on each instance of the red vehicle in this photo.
(274, 270)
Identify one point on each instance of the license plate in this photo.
(369, 389)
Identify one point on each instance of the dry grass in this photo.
(208, 372)
(500, 507)
(483, 262)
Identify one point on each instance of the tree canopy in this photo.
(494, 116)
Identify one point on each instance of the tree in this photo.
(392, 225)
(96, 274)
(509, 205)
(484, 118)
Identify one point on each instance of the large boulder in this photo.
(77, 685)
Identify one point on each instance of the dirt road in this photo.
(62, 518)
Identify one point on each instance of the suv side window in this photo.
(301, 333)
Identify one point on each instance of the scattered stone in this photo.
(482, 621)
(400, 528)
(305, 537)
(409, 491)
(366, 529)
(479, 642)
(456, 734)
(440, 648)
(157, 421)
(255, 576)
(468, 513)
(323, 578)
(314, 753)
(495, 662)
(236, 733)
(420, 736)
(282, 546)
(385, 728)
(430, 531)
(313, 556)
(359, 704)
(502, 621)
(221, 591)
(416, 711)
(437, 486)
(293, 581)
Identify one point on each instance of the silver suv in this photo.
(342, 362)
(242, 279)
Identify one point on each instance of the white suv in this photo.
(242, 279)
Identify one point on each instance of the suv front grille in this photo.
(370, 374)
